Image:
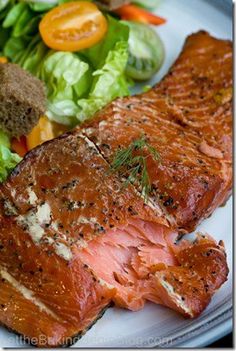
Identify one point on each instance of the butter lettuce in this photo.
(63, 71)
(109, 82)
(8, 159)
(67, 78)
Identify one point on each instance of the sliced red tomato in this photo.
(19, 146)
(134, 13)
(73, 26)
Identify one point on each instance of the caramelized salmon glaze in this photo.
(73, 239)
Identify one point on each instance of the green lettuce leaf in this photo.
(117, 32)
(42, 6)
(109, 82)
(4, 139)
(3, 4)
(8, 160)
(67, 78)
(62, 71)
(31, 62)
(14, 15)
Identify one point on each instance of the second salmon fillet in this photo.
(187, 118)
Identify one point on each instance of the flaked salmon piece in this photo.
(181, 275)
(187, 118)
(73, 239)
(188, 288)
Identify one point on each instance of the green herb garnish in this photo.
(131, 163)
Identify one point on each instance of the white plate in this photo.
(156, 325)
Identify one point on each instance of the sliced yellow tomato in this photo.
(3, 59)
(42, 132)
(59, 129)
(73, 26)
(45, 130)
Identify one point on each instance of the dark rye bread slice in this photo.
(22, 100)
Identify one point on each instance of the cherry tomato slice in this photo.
(45, 130)
(73, 26)
(42, 132)
(3, 59)
(19, 146)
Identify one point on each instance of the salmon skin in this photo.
(187, 118)
(73, 240)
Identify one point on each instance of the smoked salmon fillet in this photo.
(74, 240)
(187, 118)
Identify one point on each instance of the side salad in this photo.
(86, 57)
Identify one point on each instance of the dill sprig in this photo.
(131, 163)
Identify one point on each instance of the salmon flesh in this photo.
(187, 118)
(74, 240)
